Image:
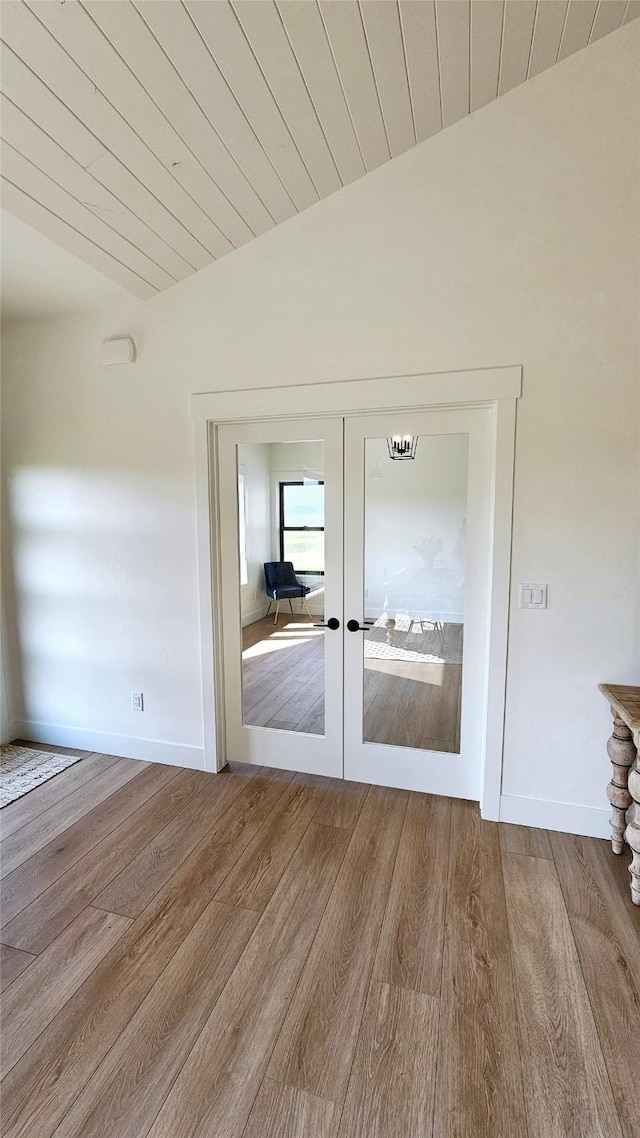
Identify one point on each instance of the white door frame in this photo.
(498, 388)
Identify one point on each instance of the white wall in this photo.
(415, 515)
(253, 462)
(508, 238)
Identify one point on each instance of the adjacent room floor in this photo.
(262, 954)
(412, 680)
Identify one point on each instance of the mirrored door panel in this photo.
(281, 558)
(415, 513)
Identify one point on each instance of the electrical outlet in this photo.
(137, 701)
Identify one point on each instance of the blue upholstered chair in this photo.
(281, 584)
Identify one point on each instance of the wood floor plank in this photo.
(411, 942)
(48, 914)
(479, 1080)
(124, 1097)
(42, 1086)
(35, 875)
(286, 1112)
(26, 841)
(342, 804)
(567, 1090)
(32, 1001)
(525, 840)
(607, 937)
(315, 1049)
(13, 961)
(133, 889)
(55, 749)
(392, 1086)
(37, 801)
(256, 874)
(298, 703)
(215, 1091)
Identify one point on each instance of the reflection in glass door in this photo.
(416, 556)
(280, 494)
(414, 577)
(281, 522)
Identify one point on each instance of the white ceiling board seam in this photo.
(272, 93)
(564, 24)
(375, 78)
(149, 289)
(98, 216)
(344, 93)
(406, 67)
(533, 36)
(504, 16)
(311, 100)
(239, 106)
(179, 186)
(435, 16)
(606, 20)
(224, 194)
(469, 57)
(593, 22)
(68, 111)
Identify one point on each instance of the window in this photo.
(302, 525)
(242, 529)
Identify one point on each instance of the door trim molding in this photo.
(355, 396)
(496, 387)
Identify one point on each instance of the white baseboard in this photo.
(252, 617)
(124, 746)
(590, 821)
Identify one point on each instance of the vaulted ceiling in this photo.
(152, 137)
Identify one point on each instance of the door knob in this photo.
(355, 626)
(332, 623)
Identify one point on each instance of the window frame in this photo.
(282, 529)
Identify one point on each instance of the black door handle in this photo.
(332, 623)
(355, 626)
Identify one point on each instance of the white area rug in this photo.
(22, 769)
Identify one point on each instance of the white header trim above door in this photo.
(390, 393)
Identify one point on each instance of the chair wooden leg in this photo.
(308, 610)
(275, 619)
(291, 605)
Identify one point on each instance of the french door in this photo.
(375, 667)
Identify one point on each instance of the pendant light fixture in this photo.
(402, 447)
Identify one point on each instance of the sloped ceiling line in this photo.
(151, 137)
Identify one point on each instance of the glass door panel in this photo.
(281, 557)
(417, 539)
(414, 575)
(280, 494)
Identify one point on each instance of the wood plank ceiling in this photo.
(151, 137)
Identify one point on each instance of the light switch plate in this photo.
(533, 596)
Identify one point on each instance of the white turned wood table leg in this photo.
(622, 752)
(632, 832)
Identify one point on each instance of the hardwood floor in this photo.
(412, 681)
(260, 954)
